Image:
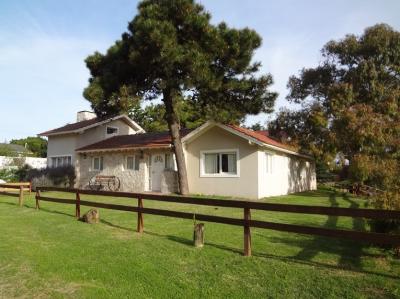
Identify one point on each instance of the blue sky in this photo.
(43, 44)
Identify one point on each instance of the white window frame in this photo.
(221, 174)
(112, 134)
(269, 163)
(135, 159)
(101, 168)
(59, 156)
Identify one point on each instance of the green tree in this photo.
(257, 127)
(37, 145)
(350, 105)
(152, 117)
(172, 51)
(5, 151)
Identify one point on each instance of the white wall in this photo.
(6, 162)
(245, 185)
(98, 133)
(289, 174)
(61, 145)
(66, 144)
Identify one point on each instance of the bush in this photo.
(389, 200)
(9, 175)
(58, 175)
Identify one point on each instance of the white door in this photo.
(157, 167)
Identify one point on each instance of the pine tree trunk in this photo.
(174, 129)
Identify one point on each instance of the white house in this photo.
(88, 129)
(221, 159)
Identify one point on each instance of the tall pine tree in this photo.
(172, 51)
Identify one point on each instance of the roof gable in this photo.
(90, 123)
(259, 138)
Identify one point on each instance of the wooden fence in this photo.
(246, 222)
(22, 186)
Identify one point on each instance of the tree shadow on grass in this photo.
(313, 193)
(41, 209)
(350, 253)
(55, 212)
(116, 226)
(339, 267)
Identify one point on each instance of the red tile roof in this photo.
(72, 127)
(263, 132)
(163, 139)
(261, 136)
(144, 140)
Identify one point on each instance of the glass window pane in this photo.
(169, 161)
(96, 163)
(228, 163)
(211, 163)
(129, 163)
(101, 163)
(59, 161)
(112, 130)
(137, 162)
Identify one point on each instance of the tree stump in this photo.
(198, 235)
(91, 216)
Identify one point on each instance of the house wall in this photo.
(99, 133)
(65, 145)
(61, 145)
(245, 185)
(114, 163)
(289, 174)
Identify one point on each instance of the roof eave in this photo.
(119, 149)
(130, 121)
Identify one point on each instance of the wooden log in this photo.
(198, 235)
(37, 196)
(140, 223)
(21, 196)
(247, 233)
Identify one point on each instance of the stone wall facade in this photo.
(169, 181)
(114, 164)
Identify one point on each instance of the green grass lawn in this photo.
(49, 254)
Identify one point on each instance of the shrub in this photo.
(9, 175)
(389, 200)
(58, 175)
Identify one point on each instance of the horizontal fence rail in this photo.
(245, 222)
(289, 208)
(21, 186)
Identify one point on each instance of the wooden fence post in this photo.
(247, 233)
(140, 223)
(37, 196)
(30, 188)
(21, 196)
(78, 205)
